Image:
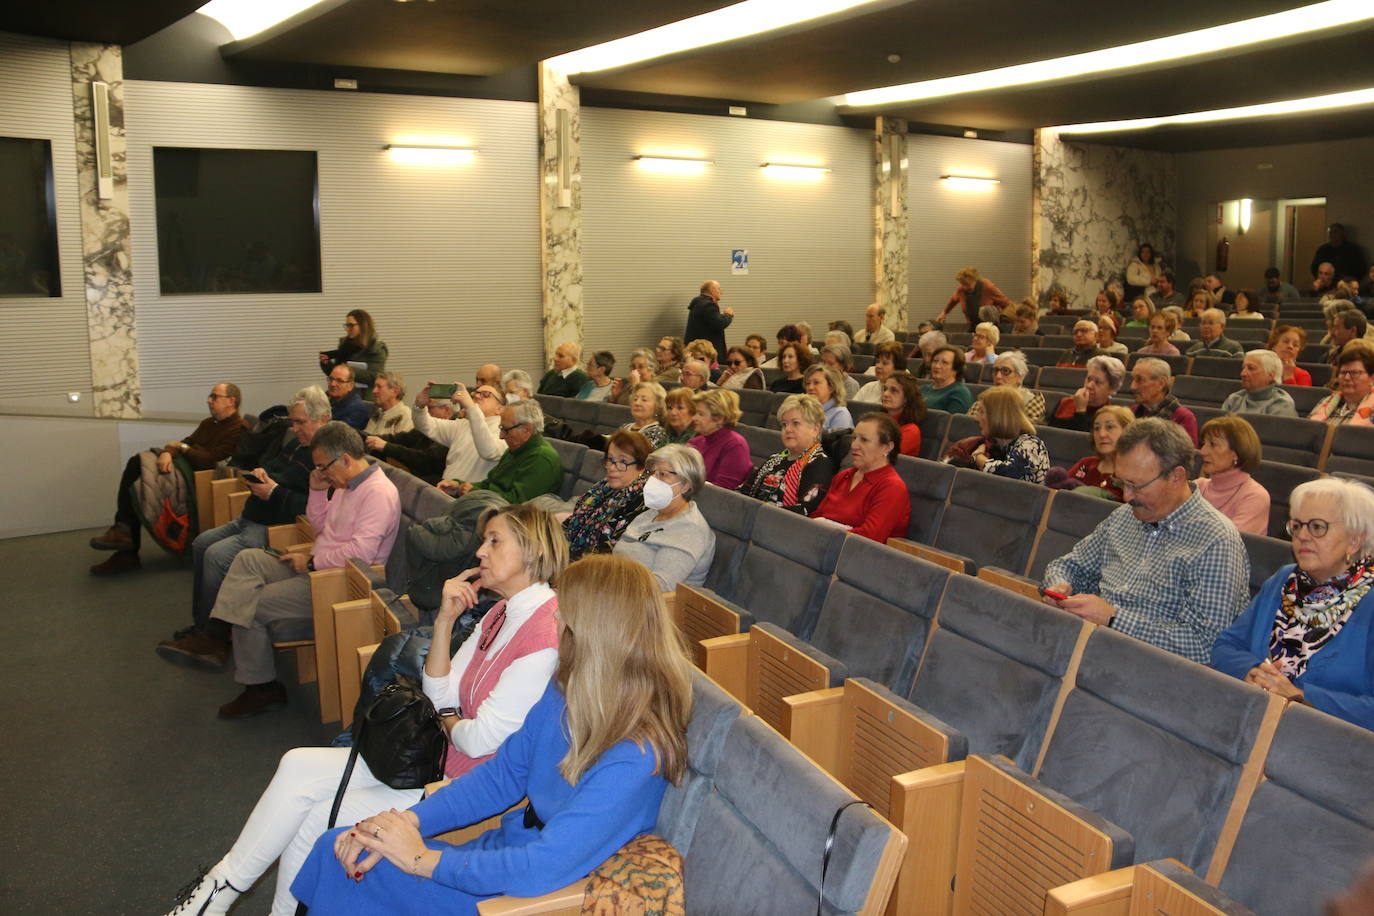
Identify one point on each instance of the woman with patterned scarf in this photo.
(797, 477)
(600, 515)
(1308, 635)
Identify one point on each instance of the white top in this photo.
(395, 419)
(518, 689)
(881, 336)
(871, 393)
(474, 444)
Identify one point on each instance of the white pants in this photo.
(293, 812)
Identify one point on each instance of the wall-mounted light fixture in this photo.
(430, 154)
(969, 182)
(794, 172)
(674, 165)
(1245, 204)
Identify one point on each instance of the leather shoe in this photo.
(255, 700)
(195, 650)
(116, 537)
(120, 562)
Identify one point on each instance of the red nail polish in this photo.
(357, 874)
(352, 834)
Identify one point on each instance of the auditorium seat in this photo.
(610, 417)
(1071, 517)
(858, 408)
(934, 429)
(1065, 446)
(1294, 440)
(1314, 353)
(591, 473)
(731, 517)
(1225, 367)
(927, 485)
(570, 455)
(1280, 479)
(1042, 356)
(762, 442)
(973, 372)
(963, 339)
(1204, 390)
(1266, 555)
(961, 426)
(1352, 450)
(1061, 378)
(1320, 372)
(1178, 365)
(1017, 341)
(714, 712)
(862, 362)
(991, 520)
(1306, 397)
(756, 404)
(1057, 342)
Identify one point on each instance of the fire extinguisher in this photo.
(1223, 252)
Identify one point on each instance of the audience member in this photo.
(1177, 335)
(488, 374)
(1166, 568)
(517, 385)
(357, 518)
(669, 354)
(1026, 318)
(984, 346)
(833, 336)
(1323, 281)
(887, 359)
(278, 491)
(473, 439)
(1367, 285)
(1200, 300)
(1151, 382)
(695, 375)
(1353, 400)
(643, 368)
(703, 350)
(493, 679)
(1307, 635)
(1106, 305)
(825, 385)
(741, 370)
(1287, 341)
(927, 344)
(793, 360)
(1096, 473)
(1217, 287)
(412, 450)
(946, 390)
(679, 411)
(565, 379)
(347, 407)
(598, 385)
(972, 294)
(874, 330)
(1212, 339)
(706, 319)
(1275, 290)
(1141, 312)
(1141, 272)
(842, 361)
(1164, 293)
(845, 328)
(600, 515)
(593, 757)
(1106, 338)
(1010, 448)
(1260, 373)
(804, 337)
(1102, 380)
(1057, 302)
(757, 345)
(671, 537)
(904, 404)
(869, 499)
(360, 349)
(213, 440)
(1345, 257)
(646, 412)
(1246, 304)
(724, 452)
(797, 477)
(529, 467)
(390, 414)
(1230, 452)
(787, 334)
(1347, 323)
(1084, 344)
(1010, 372)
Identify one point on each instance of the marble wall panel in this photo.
(560, 211)
(890, 219)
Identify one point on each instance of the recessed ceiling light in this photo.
(249, 17)
(1264, 110)
(1314, 18)
(741, 20)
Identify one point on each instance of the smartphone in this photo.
(253, 478)
(442, 392)
(272, 551)
(1051, 593)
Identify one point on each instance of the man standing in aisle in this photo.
(706, 319)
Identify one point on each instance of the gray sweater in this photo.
(678, 550)
(1271, 400)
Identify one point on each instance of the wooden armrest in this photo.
(700, 616)
(205, 509)
(220, 491)
(1107, 894)
(566, 900)
(727, 661)
(1011, 582)
(925, 805)
(235, 504)
(432, 787)
(812, 722)
(353, 627)
(951, 561)
(282, 537)
(328, 587)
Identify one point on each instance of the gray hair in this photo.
(811, 410)
(315, 402)
(1157, 368)
(683, 461)
(1270, 362)
(931, 339)
(573, 346)
(521, 378)
(527, 411)
(990, 331)
(1354, 500)
(1016, 359)
(701, 369)
(650, 359)
(1330, 307)
(1165, 438)
(804, 326)
(395, 380)
(1353, 319)
(1214, 315)
(336, 439)
(1112, 368)
(841, 354)
(838, 337)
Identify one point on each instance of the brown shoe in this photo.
(121, 562)
(255, 700)
(195, 650)
(117, 537)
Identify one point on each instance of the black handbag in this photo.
(400, 737)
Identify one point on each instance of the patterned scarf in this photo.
(792, 479)
(1311, 613)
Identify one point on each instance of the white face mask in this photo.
(657, 493)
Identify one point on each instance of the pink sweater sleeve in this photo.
(1251, 512)
(360, 523)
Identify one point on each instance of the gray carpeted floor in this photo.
(118, 779)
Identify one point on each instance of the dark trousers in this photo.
(126, 513)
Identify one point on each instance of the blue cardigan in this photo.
(616, 799)
(1339, 679)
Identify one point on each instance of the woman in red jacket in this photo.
(870, 498)
(972, 293)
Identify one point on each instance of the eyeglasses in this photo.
(480, 395)
(213, 397)
(1351, 373)
(506, 429)
(336, 380)
(738, 363)
(666, 475)
(1124, 485)
(620, 463)
(324, 467)
(1002, 370)
(1317, 527)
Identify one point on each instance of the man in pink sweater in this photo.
(356, 511)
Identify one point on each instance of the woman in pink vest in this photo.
(483, 694)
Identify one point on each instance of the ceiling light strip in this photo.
(1263, 110)
(1210, 41)
(249, 17)
(741, 20)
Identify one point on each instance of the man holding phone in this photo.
(473, 439)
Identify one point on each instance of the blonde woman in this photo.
(724, 452)
(1011, 447)
(1098, 470)
(646, 412)
(593, 758)
(827, 386)
(984, 346)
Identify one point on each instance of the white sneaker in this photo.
(208, 893)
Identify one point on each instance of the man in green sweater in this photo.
(530, 467)
(565, 379)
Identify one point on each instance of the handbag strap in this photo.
(339, 795)
(829, 845)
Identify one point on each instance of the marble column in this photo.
(890, 219)
(560, 209)
(105, 239)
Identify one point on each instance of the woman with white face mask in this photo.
(671, 537)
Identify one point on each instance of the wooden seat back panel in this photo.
(701, 617)
(1157, 895)
(777, 670)
(882, 741)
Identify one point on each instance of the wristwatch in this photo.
(447, 711)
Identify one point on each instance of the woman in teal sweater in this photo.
(946, 390)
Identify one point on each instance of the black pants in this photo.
(125, 512)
